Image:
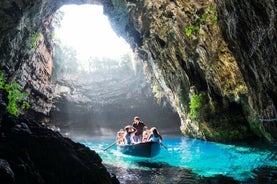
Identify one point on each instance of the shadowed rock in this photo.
(32, 153)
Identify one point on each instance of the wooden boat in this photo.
(143, 149)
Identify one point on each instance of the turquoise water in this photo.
(202, 158)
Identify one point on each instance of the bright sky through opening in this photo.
(87, 29)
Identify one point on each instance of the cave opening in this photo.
(99, 84)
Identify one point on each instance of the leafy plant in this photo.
(214, 19)
(210, 14)
(212, 8)
(203, 18)
(34, 39)
(191, 28)
(2, 80)
(14, 96)
(213, 13)
(194, 105)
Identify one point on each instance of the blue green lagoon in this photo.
(189, 160)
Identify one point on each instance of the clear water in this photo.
(205, 159)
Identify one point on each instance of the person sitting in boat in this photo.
(146, 133)
(155, 135)
(129, 134)
(139, 126)
(120, 137)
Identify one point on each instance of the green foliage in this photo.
(191, 28)
(2, 80)
(212, 8)
(34, 39)
(195, 105)
(214, 19)
(14, 96)
(213, 16)
(203, 18)
(25, 105)
(210, 14)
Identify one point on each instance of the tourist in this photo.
(129, 134)
(146, 133)
(155, 135)
(139, 126)
(120, 137)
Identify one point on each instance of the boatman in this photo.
(139, 126)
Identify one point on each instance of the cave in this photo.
(221, 52)
(100, 86)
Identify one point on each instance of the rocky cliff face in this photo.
(27, 48)
(249, 27)
(185, 56)
(187, 64)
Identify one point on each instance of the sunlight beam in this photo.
(87, 29)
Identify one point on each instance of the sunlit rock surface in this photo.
(183, 65)
(184, 54)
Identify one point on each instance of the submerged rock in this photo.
(32, 153)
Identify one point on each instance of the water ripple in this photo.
(191, 161)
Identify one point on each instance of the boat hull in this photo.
(144, 149)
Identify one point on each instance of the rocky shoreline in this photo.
(32, 153)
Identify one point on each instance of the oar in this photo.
(110, 146)
(163, 145)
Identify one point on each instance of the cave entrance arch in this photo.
(100, 93)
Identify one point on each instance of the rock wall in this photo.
(26, 54)
(26, 50)
(182, 47)
(32, 153)
(184, 54)
(184, 65)
(249, 27)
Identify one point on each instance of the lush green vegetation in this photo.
(35, 36)
(14, 96)
(191, 28)
(213, 13)
(210, 14)
(195, 105)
